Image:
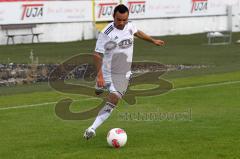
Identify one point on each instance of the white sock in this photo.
(103, 114)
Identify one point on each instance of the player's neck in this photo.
(118, 28)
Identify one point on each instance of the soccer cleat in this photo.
(89, 133)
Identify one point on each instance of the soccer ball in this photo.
(117, 138)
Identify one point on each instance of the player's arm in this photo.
(146, 37)
(97, 57)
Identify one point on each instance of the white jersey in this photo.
(117, 49)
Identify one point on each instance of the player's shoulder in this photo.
(130, 24)
(131, 28)
(108, 28)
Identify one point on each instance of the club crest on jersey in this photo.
(110, 45)
(125, 43)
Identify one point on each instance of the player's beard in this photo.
(121, 27)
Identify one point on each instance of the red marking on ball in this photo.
(120, 131)
(115, 143)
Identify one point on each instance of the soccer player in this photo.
(113, 57)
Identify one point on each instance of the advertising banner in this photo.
(45, 12)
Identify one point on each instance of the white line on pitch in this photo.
(40, 104)
(206, 85)
(26, 106)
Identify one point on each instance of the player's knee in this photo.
(113, 98)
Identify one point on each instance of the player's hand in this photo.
(100, 81)
(158, 42)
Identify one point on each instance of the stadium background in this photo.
(198, 118)
(62, 21)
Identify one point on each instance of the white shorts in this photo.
(117, 84)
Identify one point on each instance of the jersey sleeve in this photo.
(134, 28)
(101, 41)
(103, 38)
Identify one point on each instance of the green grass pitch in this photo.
(208, 98)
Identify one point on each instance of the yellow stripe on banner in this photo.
(93, 11)
(100, 25)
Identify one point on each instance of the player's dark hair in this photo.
(121, 9)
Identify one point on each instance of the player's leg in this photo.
(103, 114)
(117, 90)
(106, 110)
